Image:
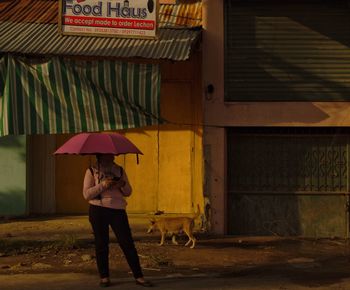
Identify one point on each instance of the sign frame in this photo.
(62, 33)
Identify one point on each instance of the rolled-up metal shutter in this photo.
(287, 50)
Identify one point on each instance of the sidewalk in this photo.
(57, 253)
(73, 281)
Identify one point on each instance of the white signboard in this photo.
(123, 18)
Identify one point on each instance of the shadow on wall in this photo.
(10, 142)
(268, 43)
(12, 202)
(14, 142)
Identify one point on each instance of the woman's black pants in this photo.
(100, 219)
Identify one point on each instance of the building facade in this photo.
(276, 79)
(257, 117)
(169, 176)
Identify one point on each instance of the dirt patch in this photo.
(65, 245)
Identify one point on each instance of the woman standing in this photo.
(105, 187)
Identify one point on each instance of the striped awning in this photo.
(43, 39)
(69, 96)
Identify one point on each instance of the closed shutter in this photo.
(288, 181)
(287, 50)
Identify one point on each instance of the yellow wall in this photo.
(70, 171)
(169, 176)
(143, 176)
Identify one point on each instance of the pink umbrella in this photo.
(98, 143)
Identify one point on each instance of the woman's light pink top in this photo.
(112, 197)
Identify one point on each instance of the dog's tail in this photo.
(198, 212)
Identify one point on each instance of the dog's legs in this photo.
(173, 239)
(191, 238)
(162, 239)
(188, 242)
(193, 242)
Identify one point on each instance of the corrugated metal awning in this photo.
(37, 38)
(185, 14)
(30, 27)
(69, 96)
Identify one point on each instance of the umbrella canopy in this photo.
(98, 143)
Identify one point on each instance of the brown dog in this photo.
(175, 225)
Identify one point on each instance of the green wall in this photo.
(12, 175)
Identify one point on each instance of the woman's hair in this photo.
(100, 155)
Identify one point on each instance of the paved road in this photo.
(72, 281)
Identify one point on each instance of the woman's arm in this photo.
(90, 189)
(126, 188)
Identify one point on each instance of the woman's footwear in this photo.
(105, 284)
(145, 283)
